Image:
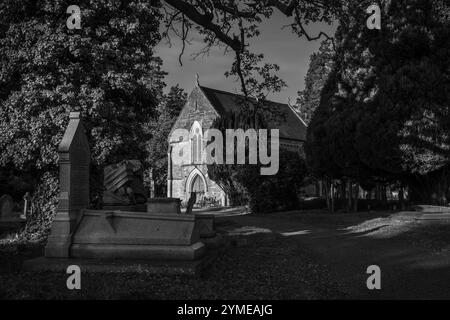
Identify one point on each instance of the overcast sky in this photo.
(279, 46)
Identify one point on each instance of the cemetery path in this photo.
(414, 256)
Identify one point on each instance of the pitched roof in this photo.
(289, 123)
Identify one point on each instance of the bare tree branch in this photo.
(232, 22)
(205, 20)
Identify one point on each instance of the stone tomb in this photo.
(78, 232)
(164, 206)
(204, 222)
(132, 235)
(7, 213)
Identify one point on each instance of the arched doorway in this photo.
(197, 186)
(196, 182)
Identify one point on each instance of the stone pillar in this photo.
(74, 161)
(26, 205)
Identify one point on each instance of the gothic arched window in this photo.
(196, 142)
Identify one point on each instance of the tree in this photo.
(106, 70)
(385, 111)
(168, 111)
(232, 23)
(320, 66)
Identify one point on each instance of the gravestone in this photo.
(6, 207)
(124, 187)
(192, 200)
(74, 161)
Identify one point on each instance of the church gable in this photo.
(205, 104)
(197, 108)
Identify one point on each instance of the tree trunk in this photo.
(383, 194)
(332, 195)
(401, 198)
(349, 195)
(327, 194)
(377, 191)
(356, 194)
(342, 192)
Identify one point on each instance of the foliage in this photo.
(168, 111)
(106, 70)
(44, 204)
(244, 183)
(258, 79)
(278, 192)
(385, 109)
(226, 175)
(320, 67)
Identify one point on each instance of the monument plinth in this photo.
(78, 232)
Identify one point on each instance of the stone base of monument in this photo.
(132, 208)
(107, 234)
(215, 242)
(165, 267)
(206, 225)
(207, 229)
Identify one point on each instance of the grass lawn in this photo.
(260, 266)
(293, 255)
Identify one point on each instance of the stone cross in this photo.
(6, 207)
(74, 161)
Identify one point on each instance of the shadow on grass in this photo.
(264, 266)
(414, 255)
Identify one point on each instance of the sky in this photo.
(279, 46)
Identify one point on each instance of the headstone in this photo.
(74, 161)
(123, 183)
(6, 207)
(191, 202)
